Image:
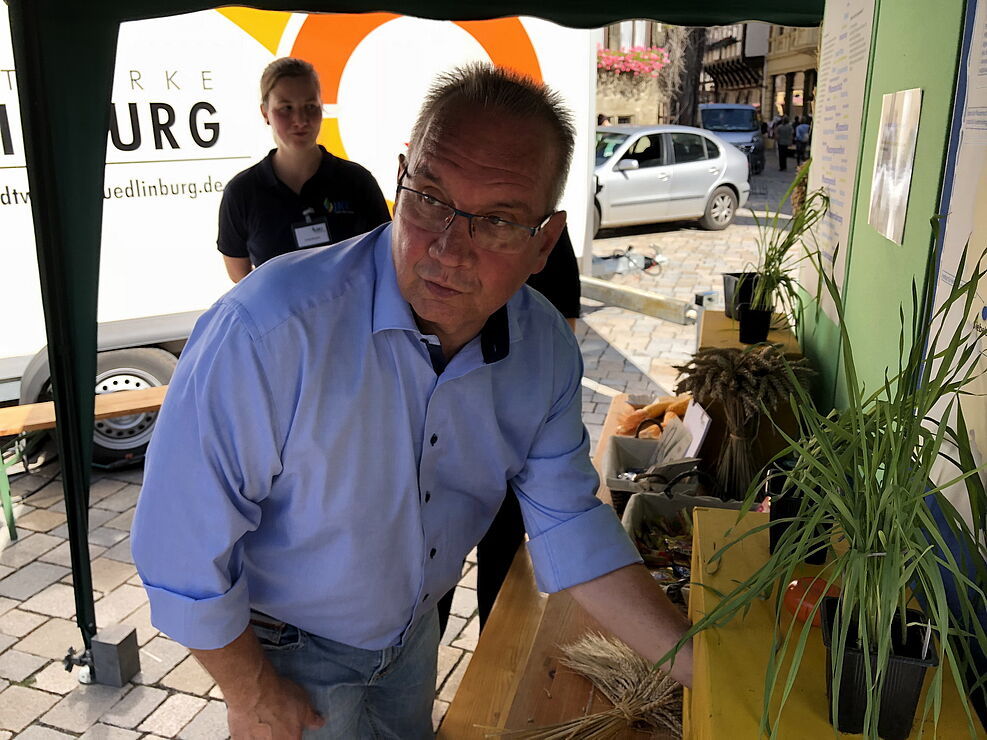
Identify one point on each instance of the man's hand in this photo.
(261, 705)
(280, 709)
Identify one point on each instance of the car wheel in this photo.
(124, 439)
(596, 219)
(720, 209)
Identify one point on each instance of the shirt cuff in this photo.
(200, 624)
(580, 549)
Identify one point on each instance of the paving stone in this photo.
(52, 639)
(173, 715)
(58, 600)
(20, 706)
(41, 520)
(133, 475)
(119, 603)
(125, 498)
(135, 706)
(36, 732)
(120, 551)
(5, 570)
(49, 493)
(469, 636)
(82, 707)
(464, 602)
(55, 679)
(7, 604)
(453, 627)
(6, 641)
(471, 558)
(448, 658)
(106, 732)
(108, 574)
(30, 579)
(17, 623)
(158, 657)
(123, 521)
(209, 724)
(190, 677)
(439, 709)
(62, 555)
(106, 536)
(141, 619)
(216, 693)
(15, 665)
(27, 548)
(469, 578)
(451, 686)
(104, 487)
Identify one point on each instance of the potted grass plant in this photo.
(863, 476)
(769, 285)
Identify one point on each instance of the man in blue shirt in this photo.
(342, 425)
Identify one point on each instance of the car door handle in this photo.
(715, 170)
(663, 175)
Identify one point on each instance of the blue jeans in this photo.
(361, 693)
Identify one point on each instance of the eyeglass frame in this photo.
(532, 230)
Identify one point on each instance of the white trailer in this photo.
(185, 119)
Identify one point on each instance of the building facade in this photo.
(733, 63)
(790, 72)
(624, 99)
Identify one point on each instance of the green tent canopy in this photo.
(64, 52)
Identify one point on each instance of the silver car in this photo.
(646, 174)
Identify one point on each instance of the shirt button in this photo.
(428, 495)
(434, 439)
(432, 554)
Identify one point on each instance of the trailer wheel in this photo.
(124, 439)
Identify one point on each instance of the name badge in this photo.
(311, 234)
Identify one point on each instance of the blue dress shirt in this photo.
(309, 463)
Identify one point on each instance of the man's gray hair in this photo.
(480, 85)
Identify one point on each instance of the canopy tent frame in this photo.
(64, 53)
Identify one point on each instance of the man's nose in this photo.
(454, 245)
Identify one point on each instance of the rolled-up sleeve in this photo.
(214, 454)
(573, 536)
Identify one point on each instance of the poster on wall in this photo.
(893, 163)
(844, 57)
(965, 230)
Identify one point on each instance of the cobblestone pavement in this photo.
(173, 697)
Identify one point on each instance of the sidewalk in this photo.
(173, 697)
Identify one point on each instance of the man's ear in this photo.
(550, 234)
(402, 165)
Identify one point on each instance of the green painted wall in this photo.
(916, 43)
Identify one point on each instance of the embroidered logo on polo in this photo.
(337, 206)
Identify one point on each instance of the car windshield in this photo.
(607, 144)
(729, 119)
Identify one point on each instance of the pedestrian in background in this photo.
(802, 133)
(784, 136)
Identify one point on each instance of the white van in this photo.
(739, 125)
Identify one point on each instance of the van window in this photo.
(688, 148)
(729, 119)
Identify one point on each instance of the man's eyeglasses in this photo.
(491, 233)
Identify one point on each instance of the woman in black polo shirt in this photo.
(300, 195)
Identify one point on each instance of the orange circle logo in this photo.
(328, 41)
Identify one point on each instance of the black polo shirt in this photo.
(258, 211)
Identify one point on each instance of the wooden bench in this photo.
(33, 417)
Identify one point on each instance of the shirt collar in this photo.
(392, 311)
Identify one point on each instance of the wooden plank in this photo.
(37, 416)
(488, 688)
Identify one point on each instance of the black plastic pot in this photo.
(755, 324)
(738, 288)
(902, 685)
(787, 507)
